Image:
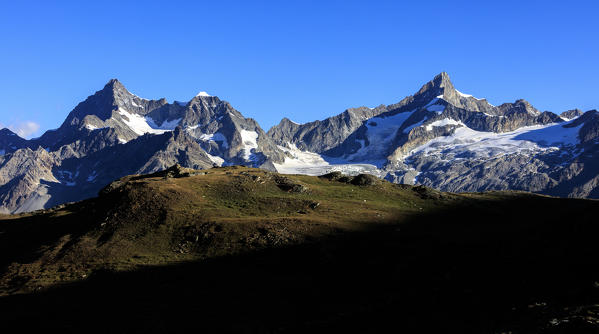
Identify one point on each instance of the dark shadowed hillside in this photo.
(241, 250)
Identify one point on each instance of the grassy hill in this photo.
(248, 251)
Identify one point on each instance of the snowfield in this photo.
(309, 163)
(249, 139)
(142, 125)
(488, 144)
(464, 143)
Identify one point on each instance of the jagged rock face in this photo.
(589, 131)
(451, 141)
(31, 180)
(114, 133)
(571, 114)
(347, 133)
(25, 176)
(223, 131)
(321, 136)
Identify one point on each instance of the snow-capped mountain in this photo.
(438, 137)
(452, 141)
(114, 133)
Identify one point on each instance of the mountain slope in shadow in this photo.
(240, 250)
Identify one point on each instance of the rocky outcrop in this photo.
(325, 135)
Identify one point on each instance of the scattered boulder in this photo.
(176, 171)
(426, 192)
(346, 179)
(332, 176)
(114, 185)
(365, 180)
(289, 185)
(358, 180)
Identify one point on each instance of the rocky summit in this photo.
(439, 137)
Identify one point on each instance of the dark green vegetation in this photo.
(247, 251)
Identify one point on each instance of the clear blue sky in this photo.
(305, 60)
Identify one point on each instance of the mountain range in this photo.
(438, 137)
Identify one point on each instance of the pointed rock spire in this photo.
(442, 80)
(437, 86)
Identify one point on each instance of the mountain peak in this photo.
(442, 80)
(437, 86)
(114, 88)
(7, 131)
(443, 76)
(113, 82)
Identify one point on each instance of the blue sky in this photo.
(305, 60)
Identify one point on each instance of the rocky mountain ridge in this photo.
(438, 137)
(114, 133)
(451, 141)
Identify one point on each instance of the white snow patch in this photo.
(474, 97)
(91, 127)
(443, 122)
(415, 125)
(216, 137)
(249, 139)
(467, 95)
(141, 125)
(310, 163)
(299, 158)
(203, 94)
(569, 119)
(473, 143)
